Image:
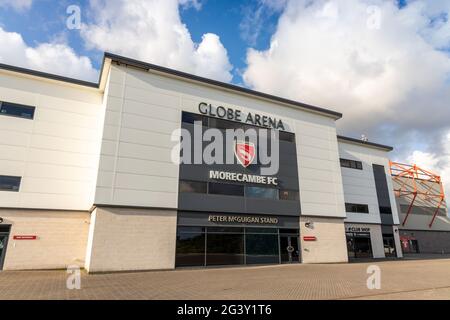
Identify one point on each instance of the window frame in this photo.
(13, 189)
(17, 105)
(352, 164)
(357, 207)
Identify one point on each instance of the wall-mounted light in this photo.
(309, 224)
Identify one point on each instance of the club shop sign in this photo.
(238, 116)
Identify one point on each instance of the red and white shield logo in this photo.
(245, 152)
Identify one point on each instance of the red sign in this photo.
(245, 152)
(309, 238)
(24, 237)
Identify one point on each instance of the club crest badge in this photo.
(245, 152)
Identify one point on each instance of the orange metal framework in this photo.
(419, 187)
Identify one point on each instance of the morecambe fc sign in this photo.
(245, 152)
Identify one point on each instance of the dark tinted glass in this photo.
(289, 195)
(188, 117)
(190, 249)
(192, 186)
(287, 136)
(225, 230)
(261, 230)
(10, 183)
(191, 229)
(294, 231)
(16, 110)
(351, 164)
(355, 207)
(5, 227)
(261, 248)
(258, 192)
(224, 124)
(225, 249)
(386, 210)
(226, 189)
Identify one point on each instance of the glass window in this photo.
(386, 210)
(16, 110)
(10, 183)
(258, 192)
(356, 208)
(293, 231)
(190, 249)
(226, 189)
(261, 230)
(188, 117)
(225, 248)
(225, 230)
(191, 229)
(352, 164)
(261, 248)
(287, 136)
(225, 124)
(192, 186)
(289, 195)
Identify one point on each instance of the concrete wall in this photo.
(61, 238)
(330, 246)
(131, 239)
(57, 152)
(359, 185)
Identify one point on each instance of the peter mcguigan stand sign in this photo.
(236, 115)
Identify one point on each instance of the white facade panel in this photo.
(359, 185)
(56, 153)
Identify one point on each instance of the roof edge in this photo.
(50, 76)
(365, 143)
(148, 66)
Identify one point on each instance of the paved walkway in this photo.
(406, 279)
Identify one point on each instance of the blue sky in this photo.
(45, 22)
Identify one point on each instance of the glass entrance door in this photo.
(389, 245)
(289, 248)
(3, 243)
(358, 245)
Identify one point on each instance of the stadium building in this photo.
(88, 177)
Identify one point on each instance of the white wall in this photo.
(359, 185)
(56, 154)
(144, 108)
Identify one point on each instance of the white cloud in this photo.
(152, 31)
(18, 5)
(186, 4)
(55, 57)
(381, 66)
(436, 163)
